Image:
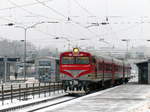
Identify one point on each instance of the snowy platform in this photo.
(124, 98)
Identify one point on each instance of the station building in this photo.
(144, 72)
(7, 68)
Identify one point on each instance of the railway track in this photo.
(37, 106)
(48, 102)
(62, 100)
(52, 103)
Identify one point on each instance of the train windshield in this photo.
(75, 60)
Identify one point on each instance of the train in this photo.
(47, 69)
(82, 72)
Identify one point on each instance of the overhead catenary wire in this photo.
(76, 23)
(10, 20)
(24, 5)
(53, 35)
(88, 12)
(34, 13)
(57, 12)
(85, 10)
(29, 12)
(42, 3)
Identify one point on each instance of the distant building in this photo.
(7, 68)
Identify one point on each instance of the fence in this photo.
(21, 92)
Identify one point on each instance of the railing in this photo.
(28, 91)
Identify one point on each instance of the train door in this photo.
(113, 72)
(123, 71)
(103, 67)
(57, 70)
(94, 63)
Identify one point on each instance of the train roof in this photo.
(103, 57)
(72, 52)
(47, 57)
(110, 59)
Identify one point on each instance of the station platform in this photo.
(130, 97)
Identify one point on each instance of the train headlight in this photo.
(75, 50)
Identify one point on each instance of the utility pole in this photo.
(127, 44)
(5, 72)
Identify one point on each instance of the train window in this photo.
(116, 68)
(44, 63)
(121, 69)
(82, 60)
(75, 60)
(67, 60)
(100, 66)
(108, 67)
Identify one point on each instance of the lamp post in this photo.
(127, 44)
(5, 72)
(25, 38)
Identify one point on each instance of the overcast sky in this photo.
(128, 19)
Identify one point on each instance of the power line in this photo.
(57, 12)
(54, 10)
(86, 10)
(24, 5)
(42, 3)
(3, 18)
(29, 12)
(52, 35)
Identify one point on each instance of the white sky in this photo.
(128, 19)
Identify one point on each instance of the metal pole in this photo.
(11, 93)
(49, 88)
(25, 33)
(33, 90)
(127, 48)
(68, 44)
(5, 61)
(19, 92)
(2, 94)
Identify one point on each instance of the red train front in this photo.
(81, 71)
(75, 67)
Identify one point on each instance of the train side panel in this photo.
(98, 72)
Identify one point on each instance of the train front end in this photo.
(75, 67)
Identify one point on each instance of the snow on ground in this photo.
(33, 107)
(131, 97)
(145, 107)
(125, 98)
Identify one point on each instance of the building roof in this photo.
(142, 61)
